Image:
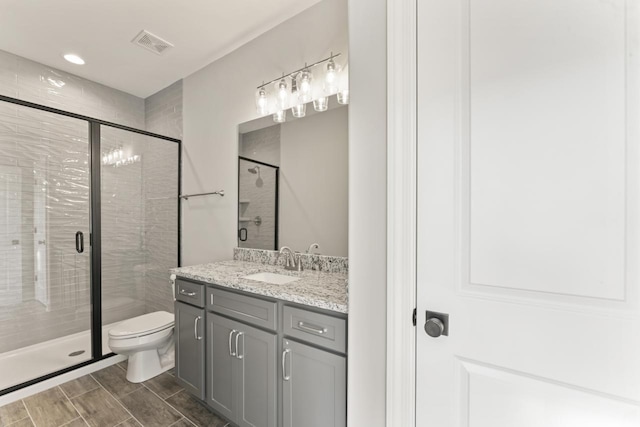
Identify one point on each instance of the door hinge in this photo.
(415, 316)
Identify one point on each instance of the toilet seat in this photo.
(140, 326)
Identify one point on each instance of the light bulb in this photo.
(299, 110)
(305, 86)
(343, 97)
(283, 96)
(321, 104)
(280, 116)
(262, 102)
(331, 78)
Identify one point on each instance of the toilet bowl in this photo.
(147, 340)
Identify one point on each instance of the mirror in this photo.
(293, 182)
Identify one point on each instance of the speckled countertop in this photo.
(315, 288)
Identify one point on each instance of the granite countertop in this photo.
(315, 288)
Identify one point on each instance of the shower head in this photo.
(254, 169)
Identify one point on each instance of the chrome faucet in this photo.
(292, 263)
(312, 247)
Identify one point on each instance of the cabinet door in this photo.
(257, 372)
(189, 333)
(314, 387)
(221, 361)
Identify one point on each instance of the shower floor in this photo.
(24, 364)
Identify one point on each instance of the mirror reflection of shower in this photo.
(257, 204)
(256, 170)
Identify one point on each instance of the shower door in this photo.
(257, 204)
(44, 243)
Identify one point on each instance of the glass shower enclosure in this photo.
(88, 229)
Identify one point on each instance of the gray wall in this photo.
(367, 212)
(221, 96)
(136, 201)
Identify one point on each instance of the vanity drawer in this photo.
(326, 331)
(247, 309)
(189, 292)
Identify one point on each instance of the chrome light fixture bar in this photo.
(305, 68)
(278, 95)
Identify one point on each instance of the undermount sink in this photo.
(273, 278)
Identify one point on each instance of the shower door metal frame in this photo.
(95, 234)
(277, 203)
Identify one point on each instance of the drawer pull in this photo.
(187, 294)
(312, 328)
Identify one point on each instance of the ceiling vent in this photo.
(151, 42)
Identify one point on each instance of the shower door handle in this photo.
(242, 234)
(79, 242)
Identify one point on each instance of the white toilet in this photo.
(148, 342)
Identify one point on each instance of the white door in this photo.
(528, 213)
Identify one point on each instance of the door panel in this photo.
(220, 366)
(315, 393)
(527, 207)
(190, 351)
(257, 372)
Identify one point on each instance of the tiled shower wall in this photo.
(141, 219)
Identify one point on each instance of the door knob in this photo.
(434, 327)
(437, 324)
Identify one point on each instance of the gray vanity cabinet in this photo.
(314, 386)
(242, 372)
(190, 351)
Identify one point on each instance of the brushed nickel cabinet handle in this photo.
(284, 363)
(231, 352)
(312, 328)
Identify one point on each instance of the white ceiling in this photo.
(100, 31)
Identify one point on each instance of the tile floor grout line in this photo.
(118, 400)
(169, 404)
(74, 407)
(170, 396)
(28, 413)
(67, 423)
(185, 419)
(21, 419)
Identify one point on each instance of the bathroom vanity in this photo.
(260, 353)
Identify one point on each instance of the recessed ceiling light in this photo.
(74, 59)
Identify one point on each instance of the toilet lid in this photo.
(142, 325)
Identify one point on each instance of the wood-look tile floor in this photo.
(106, 399)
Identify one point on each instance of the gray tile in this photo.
(130, 423)
(164, 385)
(149, 409)
(50, 408)
(24, 423)
(79, 386)
(195, 411)
(182, 423)
(100, 409)
(115, 381)
(12, 412)
(123, 365)
(78, 422)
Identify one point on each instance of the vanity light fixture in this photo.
(343, 96)
(280, 116)
(283, 96)
(328, 81)
(331, 77)
(321, 104)
(262, 103)
(74, 59)
(305, 85)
